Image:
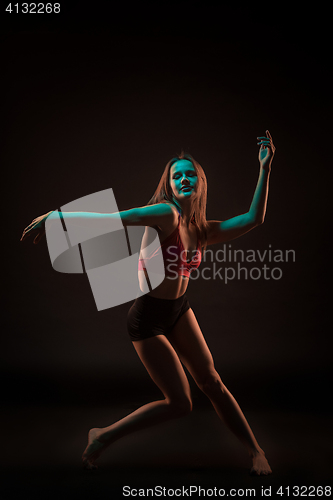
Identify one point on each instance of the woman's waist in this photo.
(170, 288)
(170, 269)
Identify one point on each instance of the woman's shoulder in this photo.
(173, 207)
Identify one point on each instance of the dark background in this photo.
(103, 96)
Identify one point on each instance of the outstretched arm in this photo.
(149, 215)
(160, 214)
(220, 231)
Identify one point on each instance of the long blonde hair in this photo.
(163, 194)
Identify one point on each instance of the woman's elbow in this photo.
(255, 220)
(259, 220)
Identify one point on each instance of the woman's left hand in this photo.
(38, 225)
(266, 151)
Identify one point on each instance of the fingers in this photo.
(37, 238)
(267, 137)
(29, 228)
(265, 142)
(24, 236)
(34, 225)
(27, 232)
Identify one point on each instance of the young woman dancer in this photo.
(161, 323)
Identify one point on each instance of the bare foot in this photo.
(93, 450)
(260, 465)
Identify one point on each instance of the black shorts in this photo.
(150, 316)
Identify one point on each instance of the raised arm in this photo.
(221, 231)
(159, 215)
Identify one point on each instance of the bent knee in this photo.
(180, 407)
(212, 384)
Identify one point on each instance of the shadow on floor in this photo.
(43, 447)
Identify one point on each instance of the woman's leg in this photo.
(165, 369)
(189, 343)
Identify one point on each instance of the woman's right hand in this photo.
(37, 225)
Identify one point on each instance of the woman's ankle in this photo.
(254, 452)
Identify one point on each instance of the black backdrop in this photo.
(97, 97)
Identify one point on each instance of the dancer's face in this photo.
(183, 179)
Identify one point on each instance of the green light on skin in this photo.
(179, 170)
